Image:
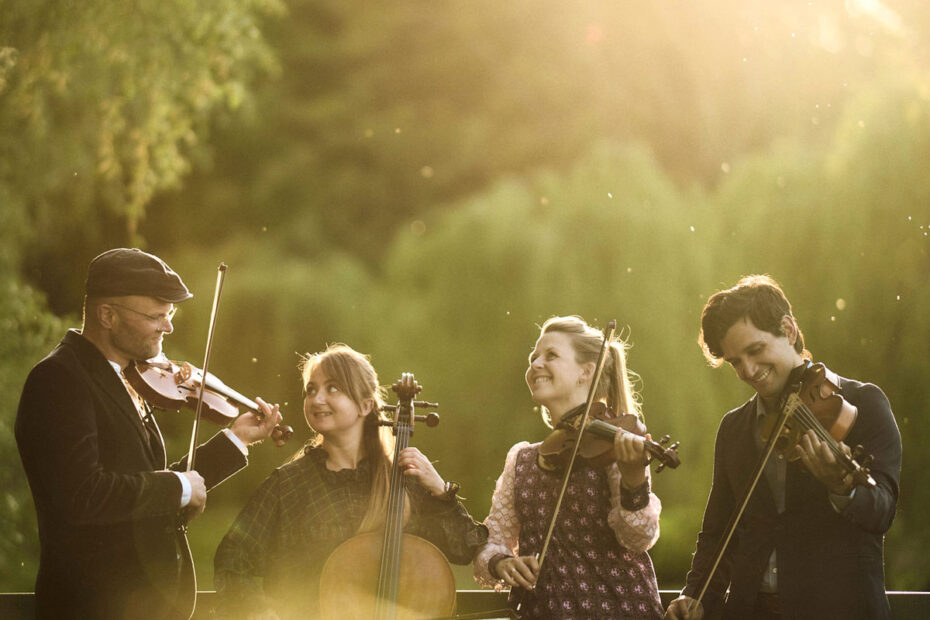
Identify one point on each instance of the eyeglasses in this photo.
(155, 318)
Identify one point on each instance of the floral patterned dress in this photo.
(596, 565)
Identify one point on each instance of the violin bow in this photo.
(220, 277)
(592, 390)
(738, 513)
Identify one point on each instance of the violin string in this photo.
(810, 421)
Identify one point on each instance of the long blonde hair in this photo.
(616, 386)
(353, 373)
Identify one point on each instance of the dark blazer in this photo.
(107, 509)
(829, 564)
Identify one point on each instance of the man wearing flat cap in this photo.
(109, 507)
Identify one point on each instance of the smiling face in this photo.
(556, 380)
(761, 359)
(330, 411)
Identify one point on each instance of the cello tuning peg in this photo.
(431, 418)
(425, 404)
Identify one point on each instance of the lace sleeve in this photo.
(637, 530)
(502, 523)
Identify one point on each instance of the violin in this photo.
(597, 441)
(388, 575)
(812, 401)
(172, 385)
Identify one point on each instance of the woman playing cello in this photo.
(597, 565)
(269, 563)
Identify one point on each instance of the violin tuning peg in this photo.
(858, 451)
(665, 439)
(867, 461)
(660, 467)
(674, 446)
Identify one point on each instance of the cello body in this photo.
(349, 581)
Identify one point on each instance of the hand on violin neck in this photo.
(251, 427)
(630, 452)
(820, 461)
(415, 465)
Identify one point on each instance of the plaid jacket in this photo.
(274, 552)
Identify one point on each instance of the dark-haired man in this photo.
(109, 508)
(810, 542)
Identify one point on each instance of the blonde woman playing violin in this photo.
(596, 565)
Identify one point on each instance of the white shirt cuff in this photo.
(185, 488)
(244, 449)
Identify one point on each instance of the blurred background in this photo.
(428, 181)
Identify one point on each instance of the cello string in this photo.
(388, 581)
(388, 525)
(394, 517)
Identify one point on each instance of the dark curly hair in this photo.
(758, 298)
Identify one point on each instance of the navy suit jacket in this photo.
(829, 564)
(111, 545)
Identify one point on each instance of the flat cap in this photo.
(130, 271)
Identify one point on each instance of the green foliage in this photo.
(27, 332)
(104, 104)
(385, 111)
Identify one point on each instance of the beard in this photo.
(136, 345)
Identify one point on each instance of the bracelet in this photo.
(634, 499)
(449, 491)
(452, 489)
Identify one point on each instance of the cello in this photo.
(390, 575)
